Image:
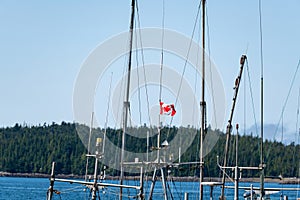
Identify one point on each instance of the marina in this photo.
(159, 126)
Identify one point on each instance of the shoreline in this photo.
(292, 180)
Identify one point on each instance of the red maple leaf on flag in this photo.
(167, 109)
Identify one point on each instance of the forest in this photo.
(32, 149)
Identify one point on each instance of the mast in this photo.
(202, 103)
(229, 126)
(262, 165)
(262, 175)
(126, 102)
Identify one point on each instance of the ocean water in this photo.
(36, 188)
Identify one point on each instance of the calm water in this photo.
(36, 188)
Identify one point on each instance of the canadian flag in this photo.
(167, 109)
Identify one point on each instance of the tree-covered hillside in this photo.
(32, 150)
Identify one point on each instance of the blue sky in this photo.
(44, 43)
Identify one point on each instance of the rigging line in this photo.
(210, 68)
(188, 52)
(143, 63)
(98, 195)
(245, 94)
(245, 99)
(196, 74)
(119, 114)
(107, 112)
(186, 60)
(251, 95)
(138, 78)
(197, 124)
(162, 63)
(286, 100)
(170, 189)
(162, 49)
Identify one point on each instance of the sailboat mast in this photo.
(126, 102)
(229, 126)
(202, 103)
(262, 174)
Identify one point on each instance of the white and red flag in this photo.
(167, 109)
